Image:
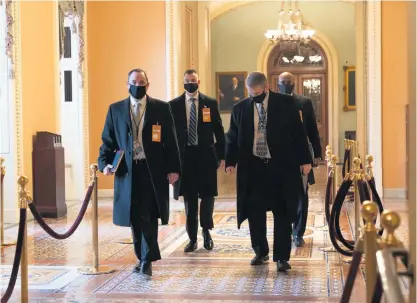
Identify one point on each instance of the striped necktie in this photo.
(192, 129)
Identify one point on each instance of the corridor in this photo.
(222, 275)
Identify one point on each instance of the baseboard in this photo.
(105, 193)
(395, 193)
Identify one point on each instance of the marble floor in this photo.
(222, 275)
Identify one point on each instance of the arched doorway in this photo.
(308, 63)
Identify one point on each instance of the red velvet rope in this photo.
(74, 226)
(17, 257)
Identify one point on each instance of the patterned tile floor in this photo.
(222, 275)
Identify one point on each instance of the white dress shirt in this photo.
(139, 118)
(256, 111)
(188, 110)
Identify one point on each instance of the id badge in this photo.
(136, 147)
(156, 133)
(206, 115)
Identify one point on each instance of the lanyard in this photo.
(140, 119)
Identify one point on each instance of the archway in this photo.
(308, 63)
(329, 53)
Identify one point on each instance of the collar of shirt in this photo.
(265, 102)
(187, 97)
(134, 101)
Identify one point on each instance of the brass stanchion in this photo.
(96, 269)
(22, 181)
(369, 172)
(369, 214)
(390, 221)
(2, 175)
(356, 176)
(333, 161)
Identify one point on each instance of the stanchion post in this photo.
(22, 182)
(357, 175)
(332, 166)
(390, 221)
(369, 213)
(328, 156)
(369, 172)
(2, 175)
(96, 269)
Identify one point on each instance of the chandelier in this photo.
(291, 26)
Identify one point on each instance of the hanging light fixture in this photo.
(291, 26)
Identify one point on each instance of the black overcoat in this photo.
(162, 157)
(287, 142)
(210, 151)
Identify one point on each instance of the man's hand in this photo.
(236, 98)
(230, 170)
(107, 170)
(222, 164)
(173, 177)
(316, 162)
(306, 168)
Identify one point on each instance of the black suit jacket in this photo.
(162, 157)
(309, 118)
(287, 142)
(210, 152)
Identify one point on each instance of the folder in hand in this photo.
(118, 157)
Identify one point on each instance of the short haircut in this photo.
(137, 70)
(256, 78)
(190, 72)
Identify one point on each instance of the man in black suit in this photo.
(286, 86)
(197, 121)
(231, 94)
(143, 128)
(267, 141)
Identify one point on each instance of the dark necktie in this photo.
(192, 129)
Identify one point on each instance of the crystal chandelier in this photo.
(291, 26)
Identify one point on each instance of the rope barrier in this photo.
(76, 223)
(17, 257)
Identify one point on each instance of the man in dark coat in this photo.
(267, 141)
(143, 128)
(197, 121)
(286, 86)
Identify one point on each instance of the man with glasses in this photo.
(198, 122)
(140, 130)
(267, 142)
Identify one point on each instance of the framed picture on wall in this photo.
(230, 88)
(349, 88)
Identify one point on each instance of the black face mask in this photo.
(137, 92)
(191, 87)
(286, 88)
(260, 98)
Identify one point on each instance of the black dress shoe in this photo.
(283, 266)
(208, 241)
(146, 268)
(137, 267)
(299, 241)
(192, 246)
(259, 260)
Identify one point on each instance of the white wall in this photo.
(237, 37)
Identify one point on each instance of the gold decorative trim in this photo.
(9, 36)
(86, 117)
(14, 11)
(346, 71)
